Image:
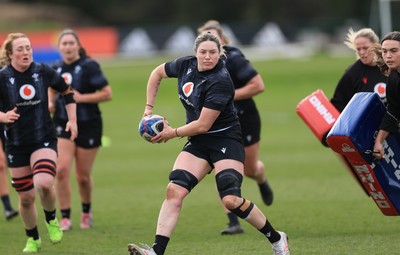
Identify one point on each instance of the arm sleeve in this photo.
(56, 81)
(173, 67)
(240, 68)
(96, 76)
(344, 92)
(390, 121)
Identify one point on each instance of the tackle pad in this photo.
(353, 136)
(319, 114)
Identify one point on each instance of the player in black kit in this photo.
(214, 142)
(9, 211)
(90, 87)
(389, 62)
(248, 83)
(363, 75)
(30, 138)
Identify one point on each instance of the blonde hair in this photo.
(364, 32)
(6, 48)
(214, 24)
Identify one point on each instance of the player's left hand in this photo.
(166, 134)
(73, 128)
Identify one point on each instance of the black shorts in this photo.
(89, 133)
(214, 149)
(19, 156)
(250, 122)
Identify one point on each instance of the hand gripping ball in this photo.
(150, 126)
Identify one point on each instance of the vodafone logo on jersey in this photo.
(27, 92)
(67, 78)
(380, 89)
(187, 88)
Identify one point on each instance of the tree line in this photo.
(123, 12)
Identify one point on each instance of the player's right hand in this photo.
(378, 152)
(11, 116)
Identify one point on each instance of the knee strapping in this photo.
(244, 209)
(23, 183)
(44, 166)
(229, 182)
(183, 178)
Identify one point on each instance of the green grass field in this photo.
(317, 202)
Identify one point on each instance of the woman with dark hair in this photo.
(389, 61)
(90, 88)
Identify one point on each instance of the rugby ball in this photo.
(150, 126)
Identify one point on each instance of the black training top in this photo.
(241, 72)
(359, 78)
(390, 121)
(28, 92)
(212, 89)
(84, 76)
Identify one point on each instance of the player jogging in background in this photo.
(248, 83)
(90, 88)
(363, 75)
(9, 211)
(214, 143)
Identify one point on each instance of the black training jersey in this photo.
(239, 68)
(84, 76)
(390, 121)
(212, 89)
(359, 78)
(241, 72)
(28, 92)
(2, 125)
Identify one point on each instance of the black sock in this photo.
(233, 219)
(6, 202)
(86, 207)
(160, 244)
(66, 213)
(270, 232)
(49, 215)
(32, 233)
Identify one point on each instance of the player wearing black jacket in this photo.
(363, 75)
(359, 77)
(390, 60)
